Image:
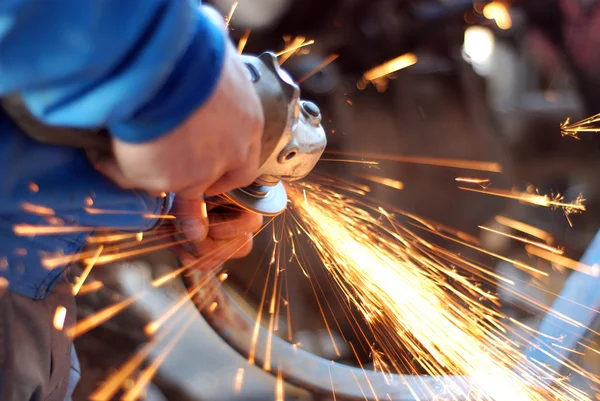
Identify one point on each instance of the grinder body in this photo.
(293, 139)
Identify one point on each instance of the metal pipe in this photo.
(306, 370)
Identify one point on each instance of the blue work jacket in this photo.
(136, 67)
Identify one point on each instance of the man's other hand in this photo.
(211, 239)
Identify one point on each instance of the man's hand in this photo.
(215, 150)
(225, 233)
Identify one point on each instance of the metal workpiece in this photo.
(303, 369)
(579, 301)
(293, 138)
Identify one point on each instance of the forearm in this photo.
(139, 67)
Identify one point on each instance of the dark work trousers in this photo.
(37, 361)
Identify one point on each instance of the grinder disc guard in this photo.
(266, 200)
(293, 138)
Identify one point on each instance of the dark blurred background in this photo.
(483, 89)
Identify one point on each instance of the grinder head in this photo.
(293, 138)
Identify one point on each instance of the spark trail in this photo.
(411, 298)
(590, 124)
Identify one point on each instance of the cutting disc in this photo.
(271, 203)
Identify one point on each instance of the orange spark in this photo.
(115, 381)
(387, 68)
(159, 216)
(367, 162)
(279, 393)
(388, 182)
(563, 261)
(293, 48)
(516, 263)
(3, 285)
(433, 161)
(33, 187)
(478, 181)
(295, 43)
(230, 15)
(569, 208)
(113, 253)
(89, 265)
(37, 209)
(90, 287)
(29, 230)
(324, 64)
(568, 349)
(412, 289)
(147, 374)
(587, 125)
(243, 41)
(136, 252)
(539, 200)
(95, 320)
(525, 240)
(332, 386)
(59, 317)
(91, 210)
(152, 327)
(526, 228)
(103, 239)
(498, 11)
(239, 381)
(257, 323)
(160, 281)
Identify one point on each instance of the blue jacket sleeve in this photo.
(139, 67)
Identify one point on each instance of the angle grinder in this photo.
(293, 138)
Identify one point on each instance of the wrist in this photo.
(190, 84)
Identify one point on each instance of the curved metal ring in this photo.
(304, 369)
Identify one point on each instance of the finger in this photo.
(225, 226)
(245, 249)
(186, 259)
(213, 251)
(230, 181)
(193, 192)
(191, 219)
(220, 202)
(239, 177)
